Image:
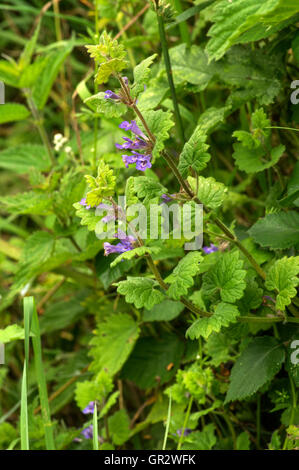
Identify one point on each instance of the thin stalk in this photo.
(96, 124)
(183, 25)
(187, 415)
(170, 77)
(39, 124)
(41, 381)
(95, 428)
(167, 424)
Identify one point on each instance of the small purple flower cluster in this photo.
(126, 244)
(142, 160)
(210, 249)
(88, 432)
(89, 409)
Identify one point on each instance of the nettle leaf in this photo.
(141, 74)
(140, 291)
(245, 21)
(107, 47)
(159, 122)
(25, 157)
(224, 315)
(113, 343)
(87, 216)
(27, 203)
(108, 68)
(277, 231)
(109, 108)
(52, 63)
(138, 252)
(150, 358)
(283, 277)
(256, 366)
(194, 153)
(253, 160)
(148, 189)
(165, 311)
(119, 427)
(191, 65)
(11, 333)
(226, 277)
(181, 279)
(210, 192)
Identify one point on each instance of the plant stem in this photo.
(170, 77)
(187, 415)
(95, 124)
(183, 25)
(39, 124)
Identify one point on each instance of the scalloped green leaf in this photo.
(194, 154)
(140, 291)
(283, 277)
(181, 279)
(256, 366)
(224, 315)
(277, 231)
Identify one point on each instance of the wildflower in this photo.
(165, 198)
(132, 144)
(187, 431)
(267, 297)
(210, 249)
(84, 203)
(132, 126)
(110, 95)
(59, 141)
(88, 432)
(143, 162)
(89, 408)
(126, 244)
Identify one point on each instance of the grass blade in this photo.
(41, 381)
(95, 428)
(24, 412)
(167, 424)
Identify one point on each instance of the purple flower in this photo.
(110, 95)
(129, 159)
(84, 203)
(132, 144)
(165, 198)
(125, 79)
(267, 297)
(187, 431)
(111, 212)
(210, 249)
(88, 432)
(132, 126)
(126, 244)
(143, 162)
(89, 408)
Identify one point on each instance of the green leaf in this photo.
(107, 48)
(101, 105)
(201, 440)
(191, 65)
(141, 74)
(113, 343)
(148, 189)
(165, 311)
(119, 427)
(277, 231)
(27, 203)
(226, 277)
(194, 153)
(253, 160)
(138, 252)
(159, 122)
(108, 68)
(9, 73)
(54, 61)
(140, 291)
(147, 365)
(87, 216)
(245, 21)
(29, 49)
(224, 315)
(25, 157)
(256, 366)
(210, 192)
(283, 277)
(10, 112)
(11, 333)
(181, 279)
(93, 390)
(102, 186)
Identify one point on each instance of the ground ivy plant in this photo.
(147, 344)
